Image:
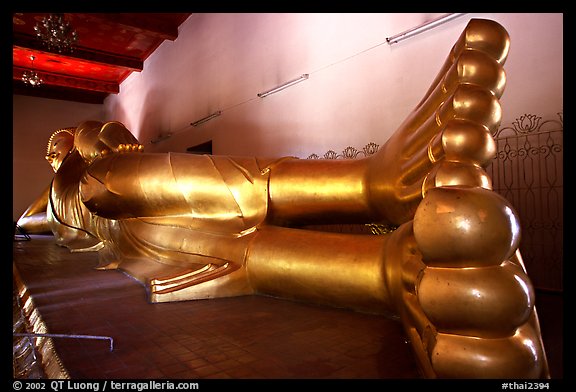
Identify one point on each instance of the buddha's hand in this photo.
(118, 139)
(460, 288)
(129, 147)
(95, 139)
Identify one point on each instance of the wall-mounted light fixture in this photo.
(419, 29)
(161, 138)
(283, 86)
(207, 118)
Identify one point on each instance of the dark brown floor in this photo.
(252, 337)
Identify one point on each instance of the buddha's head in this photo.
(60, 145)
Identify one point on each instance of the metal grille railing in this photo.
(528, 171)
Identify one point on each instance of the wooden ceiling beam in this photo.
(55, 79)
(110, 59)
(147, 23)
(58, 92)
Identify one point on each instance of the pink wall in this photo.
(359, 89)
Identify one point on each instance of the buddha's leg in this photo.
(445, 141)
(453, 276)
(342, 270)
(227, 194)
(34, 219)
(214, 193)
(462, 293)
(198, 214)
(320, 191)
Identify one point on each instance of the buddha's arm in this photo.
(34, 220)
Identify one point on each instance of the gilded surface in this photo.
(191, 227)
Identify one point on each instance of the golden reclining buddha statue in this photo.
(199, 226)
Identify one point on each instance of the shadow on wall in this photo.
(237, 133)
(153, 119)
(254, 131)
(118, 113)
(247, 137)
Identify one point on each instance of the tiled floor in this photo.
(252, 337)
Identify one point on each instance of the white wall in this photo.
(33, 121)
(359, 90)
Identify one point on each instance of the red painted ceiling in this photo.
(110, 47)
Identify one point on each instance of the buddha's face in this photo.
(59, 147)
